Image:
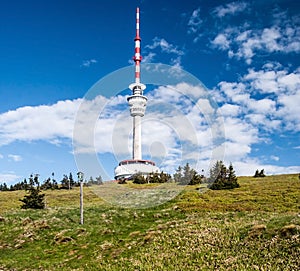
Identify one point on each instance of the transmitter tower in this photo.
(137, 104)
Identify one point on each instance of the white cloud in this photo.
(290, 110)
(264, 122)
(274, 157)
(196, 28)
(230, 9)
(289, 82)
(195, 21)
(248, 166)
(274, 81)
(165, 46)
(92, 120)
(15, 157)
(147, 58)
(180, 119)
(45, 122)
(262, 106)
(248, 40)
(264, 81)
(221, 41)
(251, 120)
(9, 178)
(234, 92)
(279, 109)
(240, 131)
(89, 62)
(234, 151)
(227, 109)
(269, 38)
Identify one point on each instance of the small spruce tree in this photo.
(262, 173)
(178, 175)
(99, 180)
(71, 180)
(65, 183)
(256, 175)
(231, 178)
(34, 200)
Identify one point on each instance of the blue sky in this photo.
(53, 118)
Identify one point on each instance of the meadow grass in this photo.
(254, 227)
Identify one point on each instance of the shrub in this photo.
(139, 179)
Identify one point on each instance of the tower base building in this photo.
(129, 168)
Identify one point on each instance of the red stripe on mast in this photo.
(137, 56)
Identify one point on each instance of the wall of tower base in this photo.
(128, 168)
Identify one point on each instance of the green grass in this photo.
(254, 227)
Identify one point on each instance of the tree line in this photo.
(220, 178)
(67, 182)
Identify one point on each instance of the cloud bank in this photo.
(175, 129)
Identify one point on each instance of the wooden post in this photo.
(81, 203)
(80, 179)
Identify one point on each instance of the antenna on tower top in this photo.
(137, 56)
(137, 37)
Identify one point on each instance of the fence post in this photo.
(80, 179)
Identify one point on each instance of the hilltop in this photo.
(254, 227)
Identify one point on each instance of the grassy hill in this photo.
(254, 227)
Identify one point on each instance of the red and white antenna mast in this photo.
(137, 55)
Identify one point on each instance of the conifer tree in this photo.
(178, 175)
(222, 178)
(65, 182)
(3, 187)
(187, 176)
(231, 178)
(262, 173)
(99, 180)
(71, 180)
(34, 200)
(256, 174)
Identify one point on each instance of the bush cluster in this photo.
(222, 178)
(259, 173)
(187, 176)
(151, 178)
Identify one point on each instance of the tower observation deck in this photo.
(137, 104)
